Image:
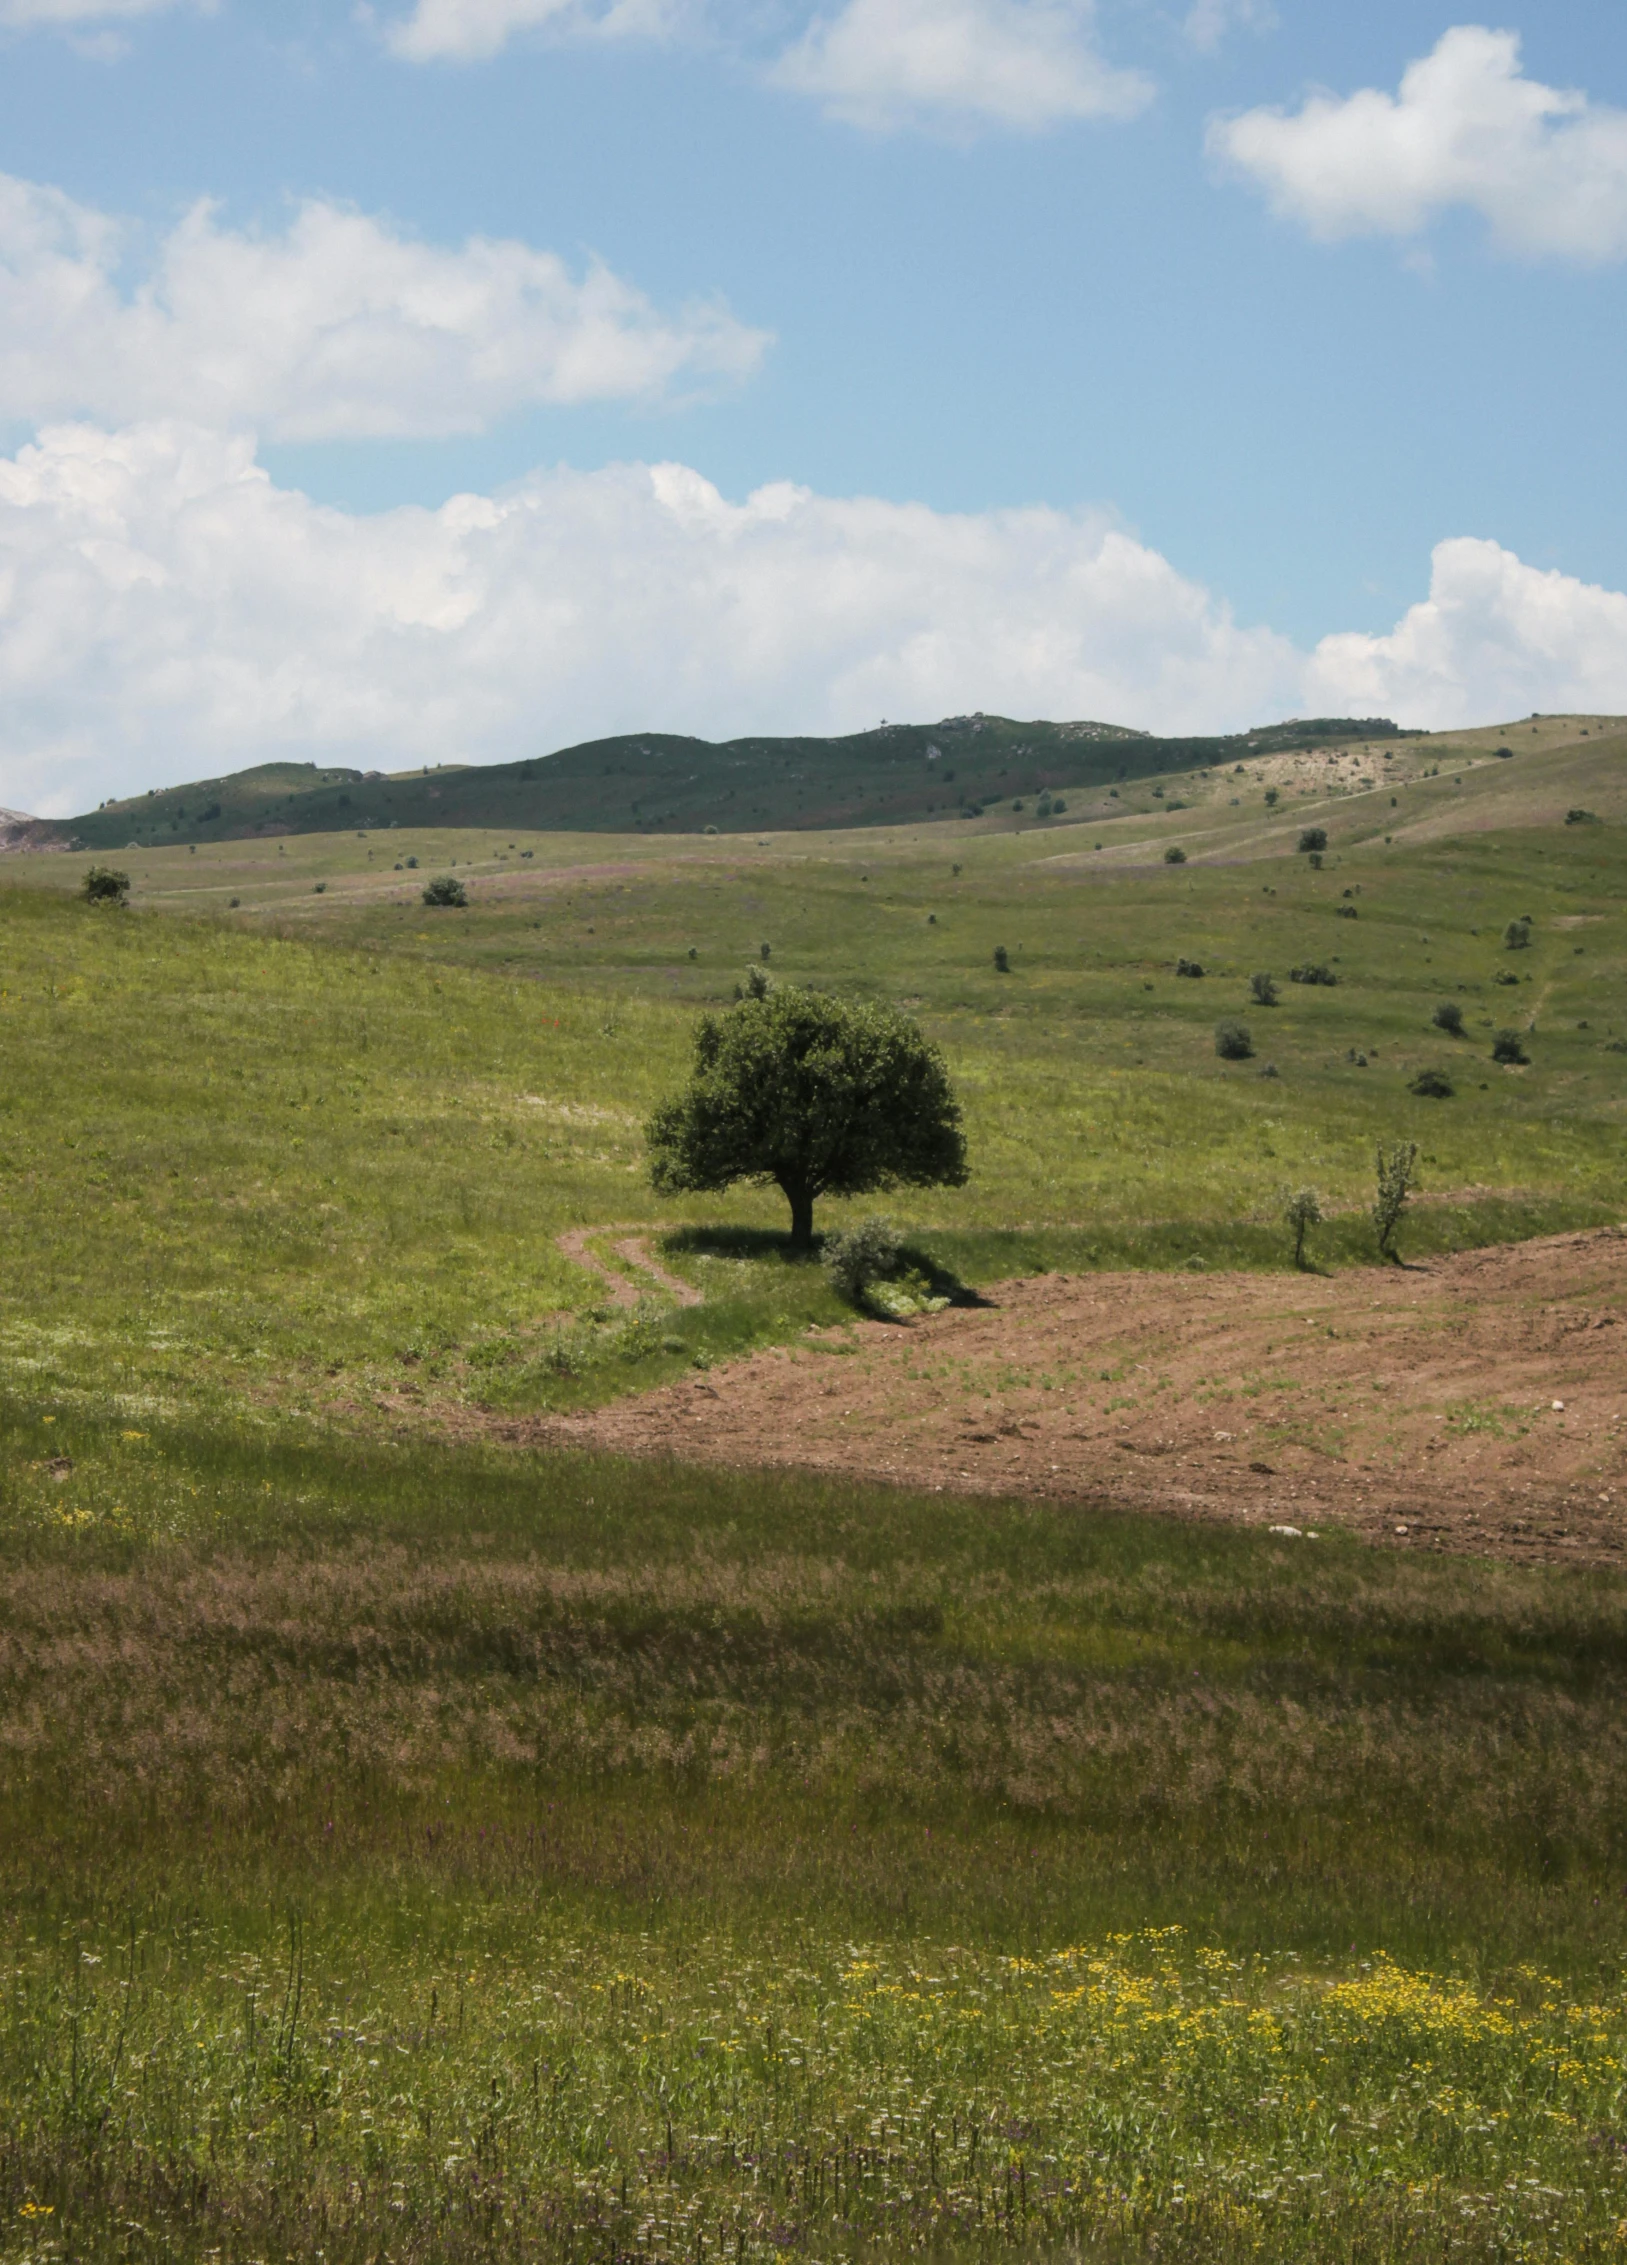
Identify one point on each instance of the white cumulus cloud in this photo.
(1495, 638)
(882, 64)
(334, 327)
(166, 610)
(1023, 64)
(1546, 168)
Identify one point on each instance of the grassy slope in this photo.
(412, 1851)
(656, 782)
(338, 1129)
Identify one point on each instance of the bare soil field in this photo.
(1471, 1403)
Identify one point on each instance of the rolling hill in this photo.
(655, 782)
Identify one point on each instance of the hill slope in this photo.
(655, 782)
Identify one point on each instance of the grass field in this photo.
(417, 1851)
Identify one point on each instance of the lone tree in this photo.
(817, 1095)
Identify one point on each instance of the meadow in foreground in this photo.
(411, 1853)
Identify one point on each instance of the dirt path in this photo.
(634, 1248)
(1417, 1406)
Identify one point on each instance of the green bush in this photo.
(1174, 856)
(1432, 1085)
(1448, 1016)
(1233, 1041)
(1304, 1212)
(1397, 1176)
(1517, 935)
(1508, 1046)
(864, 1255)
(1262, 990)
(1192, 967)
(1002, 960)
(445, 889)
(1582, 818)
(412, 864)
(104, 884)
(1313, 837)
(1317, 973)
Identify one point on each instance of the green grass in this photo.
(408, 1848)
(338, 1132)
(416, 1850)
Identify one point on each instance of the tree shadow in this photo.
(763, 1243)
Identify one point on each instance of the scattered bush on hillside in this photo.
(319, 889)
(1233, 1041)
(1193, 967)
(1583, 818)
(1272, 797)
(1058, 806)
(1262, 990)
(1449, 1016)
(1505, 975)
(105, 884)
(1508, 1047)
(1397, 1177)
(1317, 973)
(1432, 1085)
(445, 889)
(1304, 1212)
(411, 864)
(1517, 935)
(1313, 837)
(1174, 856)
(1504, 751)
(1314, 861)
(1344, 912)
(1002, 960)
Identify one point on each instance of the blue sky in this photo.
(1005, 261)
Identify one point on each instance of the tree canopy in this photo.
(816, 1095)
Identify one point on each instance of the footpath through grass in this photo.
(408, 1853)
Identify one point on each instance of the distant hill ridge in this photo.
(659, 783)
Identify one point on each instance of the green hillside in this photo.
(655, 782)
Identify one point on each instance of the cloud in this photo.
(1024, 64)
(167, 611)
(1208, 21)
(28, 15)
(1495, 638)
(882, 64)
(337, 327)
(1546, 169)
(472, 31)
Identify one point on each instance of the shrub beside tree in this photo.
(815, 1096)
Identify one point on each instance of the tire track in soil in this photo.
(633, 1249)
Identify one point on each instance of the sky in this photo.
(454, 380)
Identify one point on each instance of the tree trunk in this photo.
(802, 1203)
